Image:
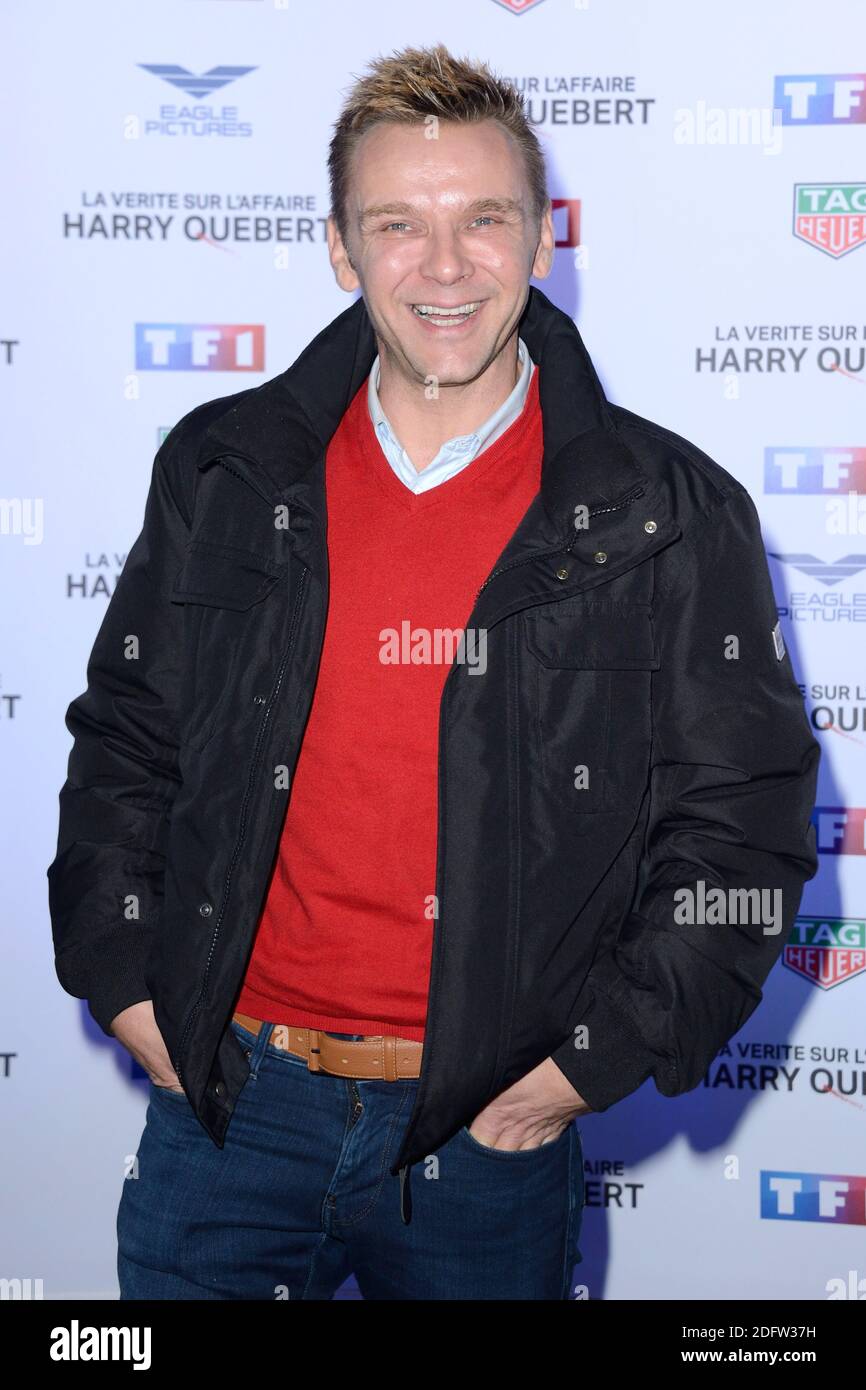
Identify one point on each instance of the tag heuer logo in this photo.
(831, 216)
(827, 950)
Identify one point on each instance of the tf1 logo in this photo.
(840, 829)
(814, 469)
(821, 98)
(829, 1197)
(200, 347)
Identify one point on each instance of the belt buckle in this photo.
(313, 1063)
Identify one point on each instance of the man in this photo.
(358, 900)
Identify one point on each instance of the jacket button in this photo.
(562, 574)
(650, 526)
(219, 1090)
(258, 700)
(206, 909)
(600, 557)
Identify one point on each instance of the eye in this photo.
(484, 217)
(389, 225)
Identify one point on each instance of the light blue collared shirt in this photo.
(455, 453)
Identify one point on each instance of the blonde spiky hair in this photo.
(416, 83)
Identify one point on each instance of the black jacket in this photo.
(609, 647)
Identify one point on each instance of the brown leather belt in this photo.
(371, 1058)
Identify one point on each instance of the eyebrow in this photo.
(507, 206)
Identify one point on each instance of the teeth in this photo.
(431, 311)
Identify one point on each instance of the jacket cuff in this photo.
(115, 995)
(615, 1062)
(111, 977)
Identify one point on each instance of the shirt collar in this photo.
(455, 453)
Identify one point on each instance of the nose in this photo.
(445, 260)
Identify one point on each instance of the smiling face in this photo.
(445, 224)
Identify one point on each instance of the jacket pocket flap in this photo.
(602, 634)
(224, 577)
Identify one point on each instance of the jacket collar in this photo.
(284, 426)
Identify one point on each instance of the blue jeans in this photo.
(300, 1197)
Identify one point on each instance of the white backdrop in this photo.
(712, 297)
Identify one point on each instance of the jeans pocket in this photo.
(168, 1092)
(515, 1154)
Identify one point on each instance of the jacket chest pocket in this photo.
(590, 672)
(226, 645)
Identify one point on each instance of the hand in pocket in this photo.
(136, 1028)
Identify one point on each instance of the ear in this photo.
(543, 262)
(344, 272)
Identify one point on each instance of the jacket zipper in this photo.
(439, 934)
(438, 945)
(558, 549)
(223, 461)
(257, 748)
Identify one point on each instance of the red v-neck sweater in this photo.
(346, 932)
